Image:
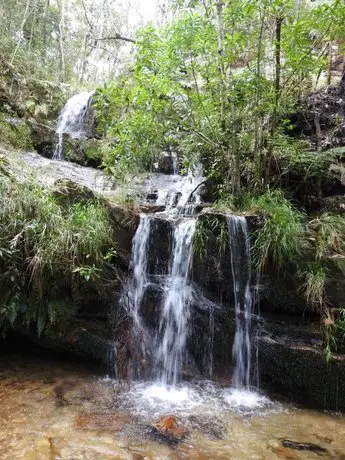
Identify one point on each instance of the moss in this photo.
(73, 151)
(93, 153)
(15, 132)
(86, 152)
(67, 191)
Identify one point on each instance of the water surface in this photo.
(55, 409)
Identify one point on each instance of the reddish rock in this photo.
(170, 429)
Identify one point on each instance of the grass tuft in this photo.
(282, 237)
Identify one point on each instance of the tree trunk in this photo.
(278, 34)
(329, 68)
(258, 97)
(277, 85)
(220, 40)
(25, 17)
(62, 76)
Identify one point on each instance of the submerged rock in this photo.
(168, 429)
(303, 446)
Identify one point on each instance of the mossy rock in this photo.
(85, 152)
(15, 132)
(47, 100)
(30, 97)
(73, 150)
(5, 167)
(93, 153)
(70, 192)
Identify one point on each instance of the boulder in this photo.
(43, 138)
(68, 190)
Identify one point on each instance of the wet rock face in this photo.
(160, 246)
(292, 363)
(166, 164)
(48, 171)
(211, 267)
(210, 341)
(89, 122)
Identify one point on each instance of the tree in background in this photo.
(219, 83)
(78, 40)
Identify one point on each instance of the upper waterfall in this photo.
(72, 120)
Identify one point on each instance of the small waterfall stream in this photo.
(72, 120)
(173, 324)
(133, 296)
(241, 278)
(165, 346)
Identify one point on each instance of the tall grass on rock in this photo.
(314, 280)
(282, 236)
(45, 248)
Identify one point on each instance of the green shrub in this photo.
(94, 152)
(328, 232)
(208, 227)
(45, 251)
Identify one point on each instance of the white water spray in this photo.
(72, 120)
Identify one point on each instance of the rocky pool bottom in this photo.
(52, 408)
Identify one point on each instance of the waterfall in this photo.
(72, 120)
(241, 278)
(165, 344)
(172, 332)
(133, 295)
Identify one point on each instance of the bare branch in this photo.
(115, 37)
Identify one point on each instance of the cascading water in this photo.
(166, 345)
(178, 197)
(133, 296)
(172, 332)
(164, 304)
(241, 278)
(72, 120)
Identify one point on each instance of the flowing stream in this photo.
(72, 120)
